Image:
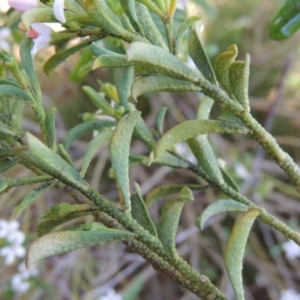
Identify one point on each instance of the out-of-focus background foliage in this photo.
(274, 97)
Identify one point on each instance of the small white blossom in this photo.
(292, 250)
(5, 33)
(23, 5)
(41, 35)
(11, 252)
(289, 294)
(111, 295)
(8, 227)
(27, 272)
(4, 7)
(19, 284)
(58, 9)
(241, 171)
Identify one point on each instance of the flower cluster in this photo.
(14, 238)
(291, 249)
(39, 32)
(111, 295)
(289, 294)
(9, 230)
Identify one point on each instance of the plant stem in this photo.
(151, 249)
(264, 215)
(170, 36)
(283, 159)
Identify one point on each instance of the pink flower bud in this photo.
(23, 5)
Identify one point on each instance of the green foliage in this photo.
(144, 44)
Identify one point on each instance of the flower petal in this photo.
(23, 5)
(58, 9)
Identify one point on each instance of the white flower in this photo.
(111, 295)
(289, 294)
(241, 171)
(16, 237)
(292, 250)
(8, 227)
(5, 33)
(19, 285)
(58, 9)
(11, 252)
(23, 5)
(41, 35)
(27, 272)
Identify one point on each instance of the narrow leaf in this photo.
(229, 180)
(129, 8)
(182, 30)
(198, 54)
(45, 159)
(206, 158)
(32, 196)
(62, 213)
(160, 118)
(168, 190)
(119, 151)
(25, 49)
(62, 151)
(112, 61)
(239, 81)
(93, 147)
(38, 15)
(235, 249)
(193, 128)
(286, 22)
(8, 90)
(222, 64)
(169, 220)
(168, 159)
(219, 207)
(82, 129)
(140, 212)
(6, 164)
(160, 61)
(150, 30)
(149, 84)
(3, 186)
(51, 128)
(55, 60)
(66, 241)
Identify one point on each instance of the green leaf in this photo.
(198, 54)
(123, 79)
(98, 50)
(168, 159)
(66, 241)
(104, 17)
(9, 80)
(193, 128)
(119, 151)
(235, 249)
(112, 61)
(62, 151)
(25, 49)
(239, 81)
(6, 164)
(3, 186)
(149, 27)
(93, 147)
(222, 64)
(149, 84)
(160, 118)
(55, 60)
(169, 220)
(83, 129)
(157, 6)
(182, 30)
(160, 61)
(61, 213)
(206, 158)
(140, 212)
(32, 196)
(229, 180)
(9, 131)
(48, 161)
(8, 90)
(99, 100)
(38, 15)
(219, 207)
(286, 22)
(85, 58)
(51, 129)
(84, 69)
(129, 8)
(168, 190)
